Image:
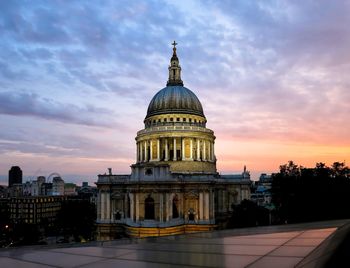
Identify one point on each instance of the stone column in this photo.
(102, 206)
(183, 149)
(174, 151)
(204, 151)
(145, 159)
(137, 207)
(170, 204)
(161, 207)
(137, 152)
(158, 150)
(166, 150)
(113, 209)
(132, 205)
(151, 150)
(209, 151)
(191, 149)
(140, 152)
(108, 206)
(125, 207)
(206, 206)
(167, 212)
(99, 206)
(212, 205)
(198, 149)
(213, 152)
(200, 206)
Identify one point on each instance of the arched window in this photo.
(148, 171)
(149, 208)
(175, 207)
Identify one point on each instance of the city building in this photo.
(87, 192)
(15, 176)
(70, 189)
(35, 187)
(35, 209)
(3, 191)
(261, 191)
(41, 187)
(174, 186)
(15, 190)
(57, 186)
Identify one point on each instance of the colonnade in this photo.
(162, 149)
(131, 207)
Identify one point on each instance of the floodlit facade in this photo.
(174, 186)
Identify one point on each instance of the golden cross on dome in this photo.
(174, 44)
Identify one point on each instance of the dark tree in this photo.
(76, 218)
(308, 194)
(247, 214)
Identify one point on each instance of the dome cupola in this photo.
(175, 98)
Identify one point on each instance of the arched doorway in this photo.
(149, 208)
(191, 214)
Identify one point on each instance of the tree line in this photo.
(300, 194)
(309, 194)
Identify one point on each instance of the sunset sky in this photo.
(76, 78)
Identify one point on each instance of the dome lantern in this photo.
(174, 70)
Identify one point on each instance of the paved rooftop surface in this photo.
(272, 246)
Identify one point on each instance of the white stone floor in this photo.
(273, 246)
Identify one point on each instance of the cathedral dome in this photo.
(175, 99)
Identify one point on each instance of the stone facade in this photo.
(174, 186)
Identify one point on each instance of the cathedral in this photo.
(174, 186)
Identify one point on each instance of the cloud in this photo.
(24, 104)
(7, 73)
(264, 71)
(33, 137)
(37, 54)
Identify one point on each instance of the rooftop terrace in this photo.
(290, 245)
